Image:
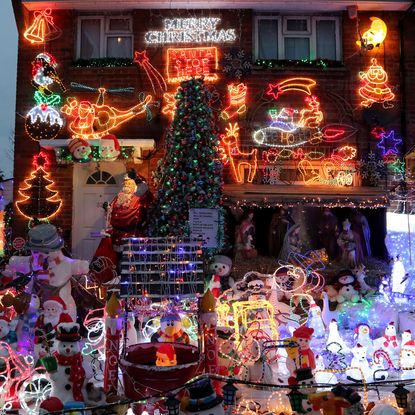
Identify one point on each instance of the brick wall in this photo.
(336, 88)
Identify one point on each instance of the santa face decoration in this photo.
(109, 148)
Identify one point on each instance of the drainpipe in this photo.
(410, 9)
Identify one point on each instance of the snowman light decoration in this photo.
(109, 147)
(68, 379)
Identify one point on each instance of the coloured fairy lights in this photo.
(38, 199)
(375, 88)
(375, 35)
(185, 63)
(96, 120)
(190, 30)
(238, 159)
(42, 28)
(154, 76)
(237, 101)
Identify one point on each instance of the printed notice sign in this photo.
(204, 223)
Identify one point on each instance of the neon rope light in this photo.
(142, 60)
(169, 107)
(39, 185)
(337, 132)
(96, 120)
(387, 144)
(185, 63)
(345, 153)
(42, 28)
(237, 101)
(375, 88)
(190, 30)
(238, 159)
(291, 84)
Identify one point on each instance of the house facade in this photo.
(298, 101)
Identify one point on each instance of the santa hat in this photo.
(408, 331)
(65, 318)
(112, 138)
(410, 343)
(56, 300)
(303, 332)
(168, 350)
(51, 405)
(75, 143)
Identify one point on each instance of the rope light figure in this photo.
(43, 28)
(94, 120)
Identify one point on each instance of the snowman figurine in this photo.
(68, 379)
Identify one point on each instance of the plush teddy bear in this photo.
(347, 289)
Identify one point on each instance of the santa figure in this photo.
(109, 147)
(166, 355)
(128, 210)
(68, 379)
(302, 336)
(54, 313)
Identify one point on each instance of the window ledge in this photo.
(261, 69)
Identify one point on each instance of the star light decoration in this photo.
(388, 142)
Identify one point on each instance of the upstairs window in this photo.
(297, 37)
(104, 37)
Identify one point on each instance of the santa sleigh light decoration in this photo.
(95, 120)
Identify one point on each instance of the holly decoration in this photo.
(39, 200)
(190, 175)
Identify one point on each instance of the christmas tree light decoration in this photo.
(237, 101)
(43, 122)
(38, 199)
(185, 63)
(375, 35)
(238, 159)
(154, 76)
(190, 30)
(190, 175)
(375, 88)
(291, 84)
(96, 120)
(42, 28)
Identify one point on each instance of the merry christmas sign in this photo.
(185, 63)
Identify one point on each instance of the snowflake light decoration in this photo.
(236, 64)
(372, 169)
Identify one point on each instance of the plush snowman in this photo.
(109, 147)
(221, 268)
(359, 366)
(346, 290)
(406, 337)
(68, 380)
(79, 148)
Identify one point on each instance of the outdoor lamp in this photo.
(401, 396)
(173, 405)
(229, 393)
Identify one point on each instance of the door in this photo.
(93, 186)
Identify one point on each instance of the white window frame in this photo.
(105, 32)
(286, 32)
(312, 35)
(256, 36)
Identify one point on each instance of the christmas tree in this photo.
(39, 200)
(190, 175)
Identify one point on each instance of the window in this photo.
(297, 37)
(101, 177)
(104, 37)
